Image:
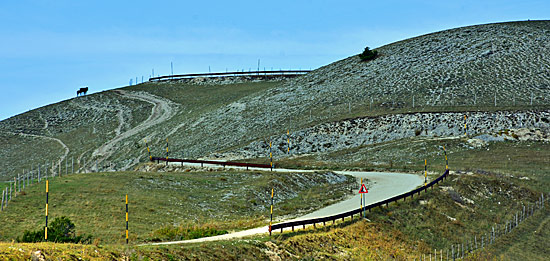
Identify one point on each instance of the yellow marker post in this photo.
(425, 172)
(126, 218)
(446, 161)
(361, 197)
(270, 156)
(465, 129)
(166, 152)
(148, 150)
(288, 140)
(46, 228)
(271, 213)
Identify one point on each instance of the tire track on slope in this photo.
(162, 110)
(67, 150)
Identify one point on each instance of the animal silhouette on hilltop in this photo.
(82, 91)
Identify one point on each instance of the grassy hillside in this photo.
(224, 200)
(461, 69)
(387, 114)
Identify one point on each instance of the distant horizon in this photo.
(52, 49)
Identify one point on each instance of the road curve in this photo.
(381, 186)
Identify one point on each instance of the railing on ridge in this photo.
(212, 162)
(283, 73)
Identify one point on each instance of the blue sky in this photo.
(51, 48)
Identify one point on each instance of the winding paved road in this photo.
(381, 186)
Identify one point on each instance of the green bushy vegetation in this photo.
(368, 54)
(61, 230)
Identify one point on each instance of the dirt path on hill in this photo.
(53, 168)
(162, 110)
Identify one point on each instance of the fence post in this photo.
(493, 235)
(2, 204)
(453, 252)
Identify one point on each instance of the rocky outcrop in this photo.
(352, 133)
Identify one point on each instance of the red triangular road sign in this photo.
(363, 189)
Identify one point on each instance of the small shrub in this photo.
(61, 230)
(417, 132)
(368, 54)
(455, 196)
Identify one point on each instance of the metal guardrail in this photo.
(229, 74)
(351, 213)
(222, 163)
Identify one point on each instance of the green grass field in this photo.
(224, 200)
